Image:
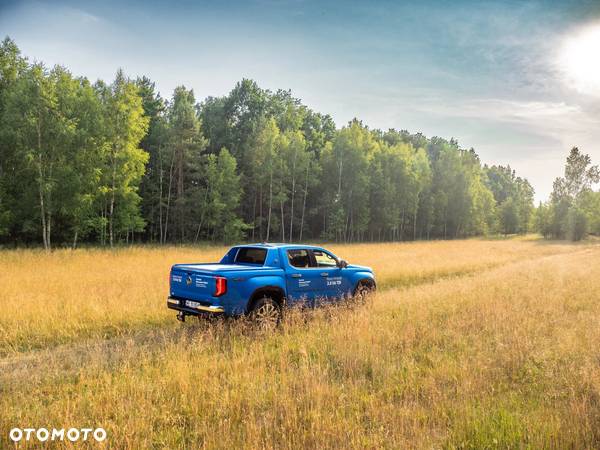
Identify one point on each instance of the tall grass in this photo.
(502, 357)
(65, 296)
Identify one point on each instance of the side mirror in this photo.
(342, 264)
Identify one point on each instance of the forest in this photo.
(116, 163)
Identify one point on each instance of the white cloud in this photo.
(558, 120)
(83, 16)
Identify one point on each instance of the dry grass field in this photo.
(467, 344)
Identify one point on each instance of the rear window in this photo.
(299, 258)
(251, 255)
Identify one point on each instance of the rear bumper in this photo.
(178, 304)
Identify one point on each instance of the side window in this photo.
(324, 259)
(251, 255)
(299, 258)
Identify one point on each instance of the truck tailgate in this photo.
(192, 285)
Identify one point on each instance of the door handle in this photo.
(324, 274)
(296, 275)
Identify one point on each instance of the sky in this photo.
(518, 81)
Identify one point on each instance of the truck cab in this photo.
(257, 279)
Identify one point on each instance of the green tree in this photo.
(267, 148)
(577, 224)
(221, 199)
(125, 126)
(569, 192)
(509, 216)
(81, 171)
(580, 174)
(155, 143)
(542, 220)
(421, 179)
(504, 184)
(449, 192)
(346, 186)
(461, 203)
(109, 161)
(383, 193)
(40, 128)
(185, 147)
(12, 67)
(589, 202)
(482, 206)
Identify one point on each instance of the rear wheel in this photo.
(266, 314)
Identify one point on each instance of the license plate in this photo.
(191, 304)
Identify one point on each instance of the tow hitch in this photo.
(181, 316)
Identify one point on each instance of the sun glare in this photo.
(580, 60)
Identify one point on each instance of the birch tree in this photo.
(125, 126)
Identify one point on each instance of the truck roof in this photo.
(277, 245)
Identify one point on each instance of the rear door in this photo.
(302, 280)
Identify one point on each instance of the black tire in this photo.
(266, 314)
(363, 290)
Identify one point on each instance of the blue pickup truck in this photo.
(260, 280)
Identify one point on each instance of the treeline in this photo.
(111, 163)
(573, 210)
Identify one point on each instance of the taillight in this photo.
(220, 286)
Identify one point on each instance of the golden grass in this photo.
(49, 299)
(505, 356)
